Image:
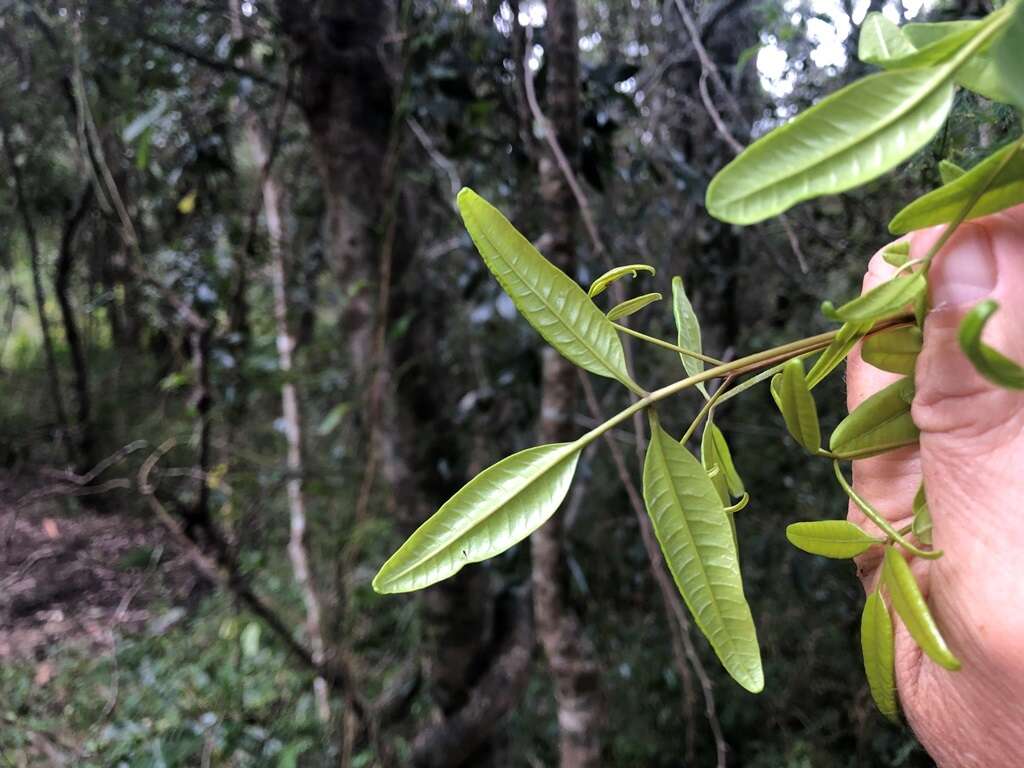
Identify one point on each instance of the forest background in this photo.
(246, 347)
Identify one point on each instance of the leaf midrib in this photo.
(613, 369)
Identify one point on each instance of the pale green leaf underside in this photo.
(837, 351)
(1008, 54)
(877, 643)
(843, 141)
(949, 171)
(944, 204)
(552, 302)
(687, 330)
(882, 300)
(695, 536)
(630, 306)
(716, 448)
(879, 424)
(617, 273)
(837, 539)
(895, 351)
(881, 40)
(798, 407)
(922, 522)
(910, 605)
(496, 509)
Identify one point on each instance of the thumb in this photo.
(962, 412)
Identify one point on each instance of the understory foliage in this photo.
(845, 140)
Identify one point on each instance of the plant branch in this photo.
(666, 344)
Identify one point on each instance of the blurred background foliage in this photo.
(137, 280)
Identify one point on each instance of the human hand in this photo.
(971, 456)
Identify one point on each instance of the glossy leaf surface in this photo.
(879, 424)
(496, 509)
(687, 330)
(695, 536)
(837, 539)
(841, 142)
(617, 273)
(922, 522)
(990, 363)
(550, 301)
(877, 643)
(883, 300)
(910, 605)
(629, 306)
(944, 204)
(798, 407)
(895, 350)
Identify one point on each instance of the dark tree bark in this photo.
(569, 653)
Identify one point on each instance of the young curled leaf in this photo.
(837, 539)
(1003, 171)
(629, 306)
(496, 509)
(877, 643)
(922, 522)
(714, 452)
(548, 298)
(883, 300)
(598, 286)
(798, 407)
(696, 538)
(893, 350)
(879, 424)
(990, 363)
(912, 608)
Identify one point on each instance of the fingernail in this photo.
(964, 271)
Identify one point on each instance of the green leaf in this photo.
(843, 141)
(912, 608)
(897, 254)
(687, 330)
(798, 407)
(837, 351)
(925, 53)
(696, 539)
(879, 424)
(1009, 61)
(333, 419)
(629, 306)
(877, 643)
(714, 452)
(949, 171)
(837, 539)
(893, 350)
(883, 300)
(990, 363)
(617, 273)
(881, 40)
(496, 509)
(922, 523)
(944, 204)
(549, 300)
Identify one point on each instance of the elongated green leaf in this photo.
(949, 172)
(922, 523)
(837, 351)
(687, 330)
(895, 350)
(837, 539)
(841, 142)
(883, 300)
(629, 306)
(877, 643)
(944, 204)
(496, 509)
(798, 407)
(714, 452)
(696, 539)
(897, 254)
(990, 363)
(617, 273)
(550, 301)
(879, 424)
(912, 608)
(1009, 61)
(937, 50)
(881, 40)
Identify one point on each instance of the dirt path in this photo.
(68, 575)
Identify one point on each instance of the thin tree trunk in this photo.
(297, 551)
(37, 286)
(570, 655)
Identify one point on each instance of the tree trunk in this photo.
(569, 653)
